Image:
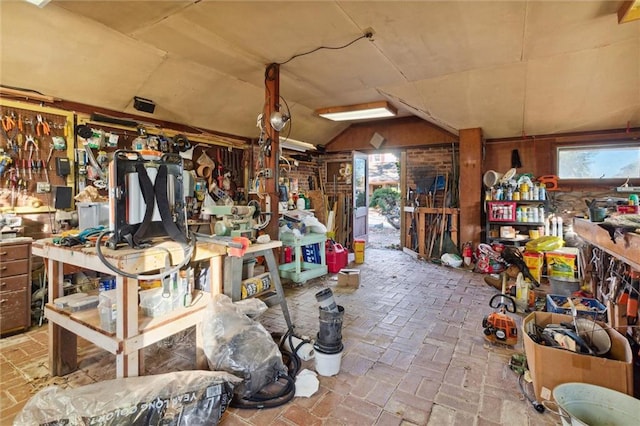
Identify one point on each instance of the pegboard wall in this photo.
(32, 138)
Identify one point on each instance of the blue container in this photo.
(596, 310)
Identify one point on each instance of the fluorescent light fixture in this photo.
(379, 109)
(288, 143)
(39, 3)
(629, 11)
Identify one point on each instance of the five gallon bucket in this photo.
(327, 364)
(582, 404)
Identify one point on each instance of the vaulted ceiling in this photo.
(510, 67)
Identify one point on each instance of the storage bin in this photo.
(501, 211)
(153, 304)
(584, 306)
(91, 215)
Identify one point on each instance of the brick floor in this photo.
(414, 354)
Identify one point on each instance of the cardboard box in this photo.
(349, 278)
(550, 367)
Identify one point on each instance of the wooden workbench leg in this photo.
(63, 351)
(63, 345)
(233, 277)
(215, 275)
(201, 358)
(275, 277)
(128, 365)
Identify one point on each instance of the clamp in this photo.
(42, 127)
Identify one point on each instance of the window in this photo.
(619, 161)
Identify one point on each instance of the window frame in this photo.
(614, 181)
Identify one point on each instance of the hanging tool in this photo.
(220, 176)
(632, 304)
(42, 127)
(8, 123)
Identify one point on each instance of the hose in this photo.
(287, 392)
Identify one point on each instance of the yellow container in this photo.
(358, 248)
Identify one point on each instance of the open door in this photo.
(360, 196)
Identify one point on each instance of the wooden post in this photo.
(404, 224)
(471, 174)
(272, 99)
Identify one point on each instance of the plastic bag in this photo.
(546, 243)
(180, 398)
(235, 343)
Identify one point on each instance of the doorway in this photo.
(384, 195)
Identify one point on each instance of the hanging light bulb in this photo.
(278, 120)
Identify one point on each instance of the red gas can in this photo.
(337, 256)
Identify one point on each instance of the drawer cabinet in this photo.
(15, 285)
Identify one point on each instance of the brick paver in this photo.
(414, 354)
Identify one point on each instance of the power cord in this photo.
(188, 252)
(368, 34)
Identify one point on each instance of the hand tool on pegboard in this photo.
(220, 176)
(42, 127)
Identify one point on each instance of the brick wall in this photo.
(423, 165)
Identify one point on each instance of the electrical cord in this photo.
(368, 35)
(188, 253)
(535, 403)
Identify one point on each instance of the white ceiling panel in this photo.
(555, 28)
(492, 97)
(40, 52)
(429, 39)
(585, 90)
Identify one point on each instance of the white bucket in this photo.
(327, 364)
(583, 404)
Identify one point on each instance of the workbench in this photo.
(134, 331)
(233, 276)
(625, 248)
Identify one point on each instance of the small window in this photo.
(619, 161)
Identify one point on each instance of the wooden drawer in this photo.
(15, 267)
(15, 252)
(14, 311)
(16, 282)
